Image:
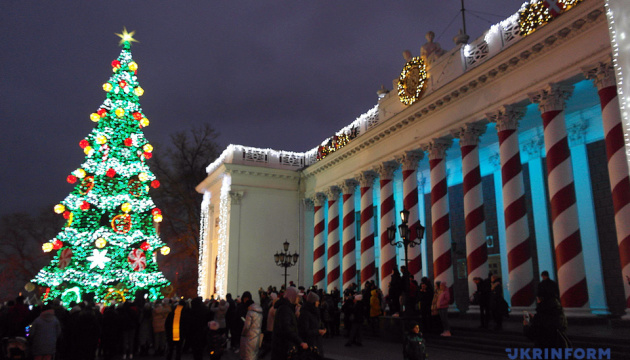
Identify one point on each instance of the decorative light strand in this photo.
(202, 288)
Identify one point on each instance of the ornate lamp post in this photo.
(286, 260)
(408, 239)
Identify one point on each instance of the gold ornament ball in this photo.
(120, 112)
(88, 150)
(100, 243)
(59, 208)
(101, 139)
(80, 173)
(165, 250)
(133, 66)
(107, 87)
(143, 176)
(148, 147)
(144, 122)
(29, 286)
(95, 117)
(139, 91)
(47, 247)
(157, 218)
(126, 207)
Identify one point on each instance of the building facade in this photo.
(511, 154)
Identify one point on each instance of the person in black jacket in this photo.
(199, 318)
(547, 287)
(356, 318)
(548, 328)
(426, 298)
(176, 328)
(310, 326)
(285, 329)
(482, 297)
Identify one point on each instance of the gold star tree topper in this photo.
(126, 37)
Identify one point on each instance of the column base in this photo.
(584, 312)
(626, 317)
(473, 309)
(518, 310)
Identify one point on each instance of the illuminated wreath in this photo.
(121, 223)
(411, 81)
(137, 188)
(86, 185)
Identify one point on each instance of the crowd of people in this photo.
(275, 322)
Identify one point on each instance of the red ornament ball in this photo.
(66, 214)
(155, 184)
(102, 112)
(128, 142)
(122, 83)
(145, 246)
(85, 205)
(71, 179)
(111, 173)
(84, 143)
(116, 64)
(57, 244)
(156, 211)
(147, 155)
(137, 115)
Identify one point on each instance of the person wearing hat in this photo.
(414, 347)
(310, 324)
(285, 329)
(216, 340)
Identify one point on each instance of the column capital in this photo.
(366, 178)
(318, 199)
(506, 117)
(602, 74)
(533, 147)
(469, 133)
(308, 204)
(236, 197)
(386, 169)
(332, 193)
(552, 97)
(576, 132)
(410, 159)
(437, 148)
(347, 186)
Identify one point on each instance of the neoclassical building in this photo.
(509, 149)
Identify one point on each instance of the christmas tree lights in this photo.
(109, 244)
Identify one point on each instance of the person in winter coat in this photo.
(425, 297)
(442, 305)
(87, 332)
(145, 329)
(44, 333)
(414, 347)
(498, 305)
(285, 330)
(198, 330)
(111, 330)
(310, 327)
(216, 341)
(129, 315)
(482, 297)
(176, 328)
(251, 336)
(356, 318)
(160, 312)
(436, 324)
(548, 328)
(395, 290)
(220, 309)
(375, 310)
(268, 331)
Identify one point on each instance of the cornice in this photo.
(580, 19)
(235, 169)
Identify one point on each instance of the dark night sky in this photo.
(278, 74)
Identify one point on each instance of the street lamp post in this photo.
(286, 260)
(408, 239)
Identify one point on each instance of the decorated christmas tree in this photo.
(109, 243)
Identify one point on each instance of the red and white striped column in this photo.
(319, 241)
(441, 229)
(348, 236)
(520, 266)
(475, 222)
(368, 268)
(388, 217)
(604, 78)
(564, 213)
(409, 163)
(333, 238)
